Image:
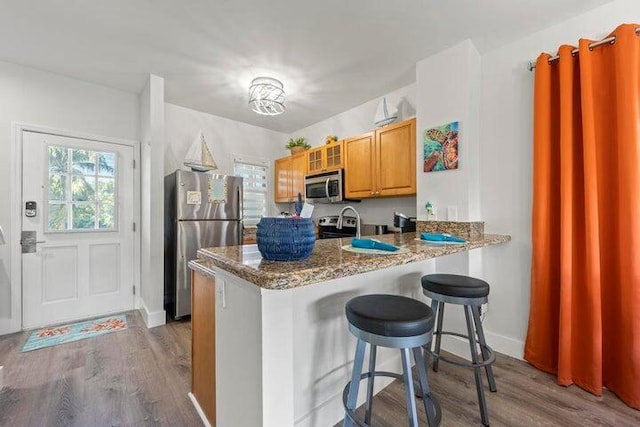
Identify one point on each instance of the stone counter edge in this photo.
(282, 281)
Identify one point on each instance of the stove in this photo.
(327, 227)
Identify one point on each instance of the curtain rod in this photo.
(609, 40)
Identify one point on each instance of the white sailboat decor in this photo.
(206, 162)
(383, 117)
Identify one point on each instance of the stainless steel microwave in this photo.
(326, 187)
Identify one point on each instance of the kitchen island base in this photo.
(287, 354)
(282, 345)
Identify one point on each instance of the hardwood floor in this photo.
(135, 377)
(141, 377)
(525, 397)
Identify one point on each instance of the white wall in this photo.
(506, 157)
(225, 138)
(447, 94)
(35, 97)
(353, 122)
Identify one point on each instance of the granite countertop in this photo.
(328, 260)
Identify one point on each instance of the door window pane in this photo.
(81, 190)
(107, 216)
(57, 216)
(106, 164)
(84, 162)
(106, 189)
(58, 187)
(84, 216)
(58, 159)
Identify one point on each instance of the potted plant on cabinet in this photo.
(296, 145)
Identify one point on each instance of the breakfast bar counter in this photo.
(328, 260)
(283, 353)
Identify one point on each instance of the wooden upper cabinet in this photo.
(325, 158)
(315, 160)
(298, 171)
(396, 151)
(360, 166)
(334, 155)
(283, 178)
(289, 177)
(382, 163)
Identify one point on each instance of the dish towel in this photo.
(435, 237)
(373, 244)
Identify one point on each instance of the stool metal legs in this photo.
(431, 407)
(437, 307)
(372, 369)
(350, 395)
(483, 347)
(408, 388)
(475, 335)
(484, 412)
(355, 381)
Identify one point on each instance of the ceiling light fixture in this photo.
(266, 96)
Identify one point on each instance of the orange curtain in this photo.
(584, 321)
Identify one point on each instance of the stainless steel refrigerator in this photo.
(201, 210)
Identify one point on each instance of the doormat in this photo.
(48, 337)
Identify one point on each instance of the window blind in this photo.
(255, 190)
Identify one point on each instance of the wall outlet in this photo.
(431, 211)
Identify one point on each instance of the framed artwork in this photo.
(441, 148)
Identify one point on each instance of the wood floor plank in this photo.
(141, 377)
(525, 397)
(136, 377)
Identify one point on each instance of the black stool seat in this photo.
(454, 285)
(390, 315)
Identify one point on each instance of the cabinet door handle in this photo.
(377, 192)
(372, 193)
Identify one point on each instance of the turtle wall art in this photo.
(441, 148)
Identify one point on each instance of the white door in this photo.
(83, 262)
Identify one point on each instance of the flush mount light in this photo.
(266, 96)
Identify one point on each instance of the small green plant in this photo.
(298, 142)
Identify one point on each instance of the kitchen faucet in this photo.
(339, 223)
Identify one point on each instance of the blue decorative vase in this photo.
(285, 239)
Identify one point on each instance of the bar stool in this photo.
(470, 293)
(395, 322)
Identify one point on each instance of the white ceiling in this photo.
(331, 55)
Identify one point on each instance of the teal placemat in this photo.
(440, 242)
(350, 248)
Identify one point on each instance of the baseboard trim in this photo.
(9, 326)
(199, 410)
(505, 345)
(152, 318)
(499, 343)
